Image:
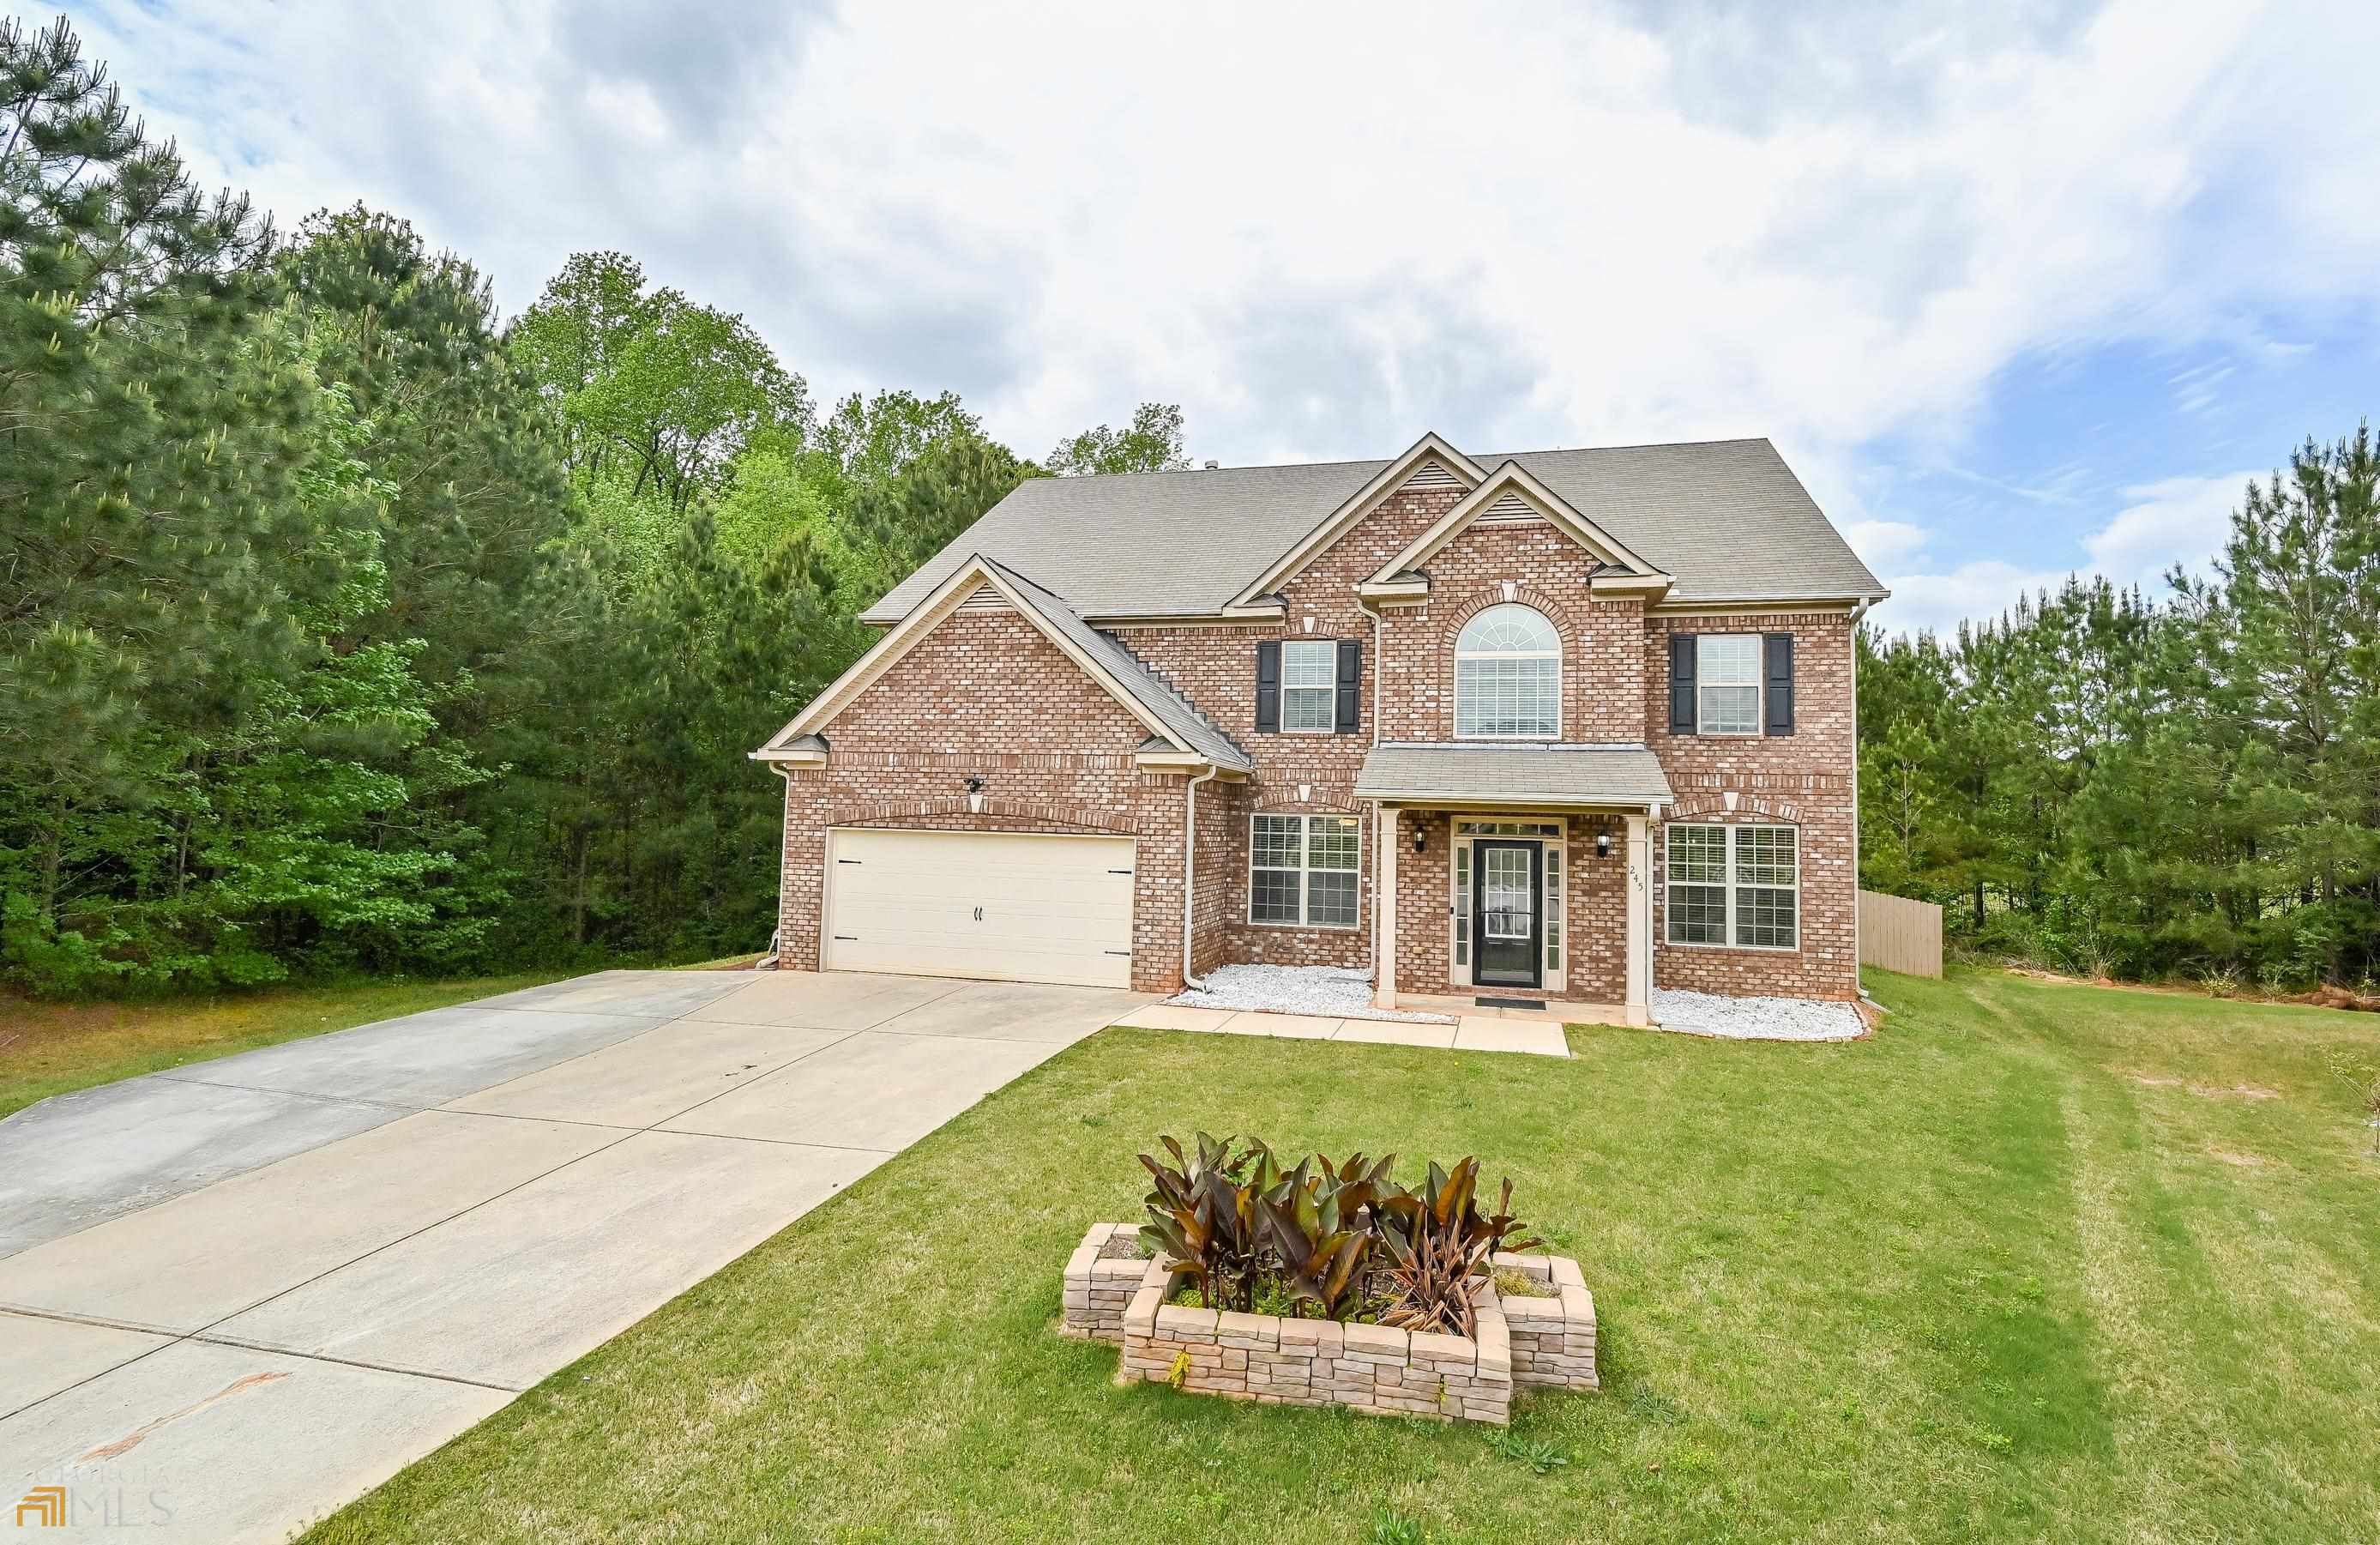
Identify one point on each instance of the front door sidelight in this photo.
(1505, 884)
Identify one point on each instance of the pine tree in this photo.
(149, 530)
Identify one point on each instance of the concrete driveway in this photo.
(235, 1296)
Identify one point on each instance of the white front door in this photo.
(1003, 905)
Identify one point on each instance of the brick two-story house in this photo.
(1565, 724)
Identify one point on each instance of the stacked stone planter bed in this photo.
(1523, 1342)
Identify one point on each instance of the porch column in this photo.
(1640, 920)
(1384, 906)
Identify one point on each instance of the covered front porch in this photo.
(1513, 875)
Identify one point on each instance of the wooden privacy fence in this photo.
(1899, 935)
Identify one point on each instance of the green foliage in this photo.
(2099, 785)
(2363, 1075)
(1542, 1458)
(1316, 1226)
(1243, 1235)
(1439, 1246)
(1152, 443)
(898, 524)
(346, 630)
(655, 390)
(1204, 1214)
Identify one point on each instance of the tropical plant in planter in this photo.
(1205, 1213)
(1438, 1242)
(1321, 1232)
(1316, 1226)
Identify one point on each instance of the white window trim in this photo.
(1551, 978)
(1331, 645)
(1727, 885)
(1759, 695)
(1556, 656)
(1305, 856)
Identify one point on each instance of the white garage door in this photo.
(1005, 905)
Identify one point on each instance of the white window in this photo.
(1302, 869)
(1727, 684)
(1739, 885)
(1309, 685)
(1508, 675)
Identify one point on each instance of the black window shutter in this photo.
(1780, 684)
(1269, 686)
(1682, 684)
(1351, 681)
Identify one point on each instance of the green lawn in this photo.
(2037, 1262)
(48, 1049)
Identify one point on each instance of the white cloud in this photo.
(1972, 593)
(1573, 237)
(1532, 226)
(2175, 520)
(1882, 544)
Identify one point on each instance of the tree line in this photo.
(2187, 787)
(345, 626)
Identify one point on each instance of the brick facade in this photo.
(985, 695)
(1802, 780)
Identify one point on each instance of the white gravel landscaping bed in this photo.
(1753, 1018)
(1339, 991)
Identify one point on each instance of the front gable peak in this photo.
(1429, 463)
(1513, 494)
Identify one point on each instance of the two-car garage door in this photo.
(1005, 905)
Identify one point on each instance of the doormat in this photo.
(1508, 1003)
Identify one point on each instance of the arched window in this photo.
(1508, 675)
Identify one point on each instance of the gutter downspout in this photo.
(777, 934)
(1858, 611)
(1190, 869)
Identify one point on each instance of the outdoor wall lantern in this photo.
(1420, 841)
(1603, 844)
(975, 796)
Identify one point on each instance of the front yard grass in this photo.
(2037, 1262)
(54, 1048)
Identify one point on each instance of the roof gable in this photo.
(1164, 712)
(1429, 462)
(1510, 493)
(1727, 517)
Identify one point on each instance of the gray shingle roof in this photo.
(1191, 729)
(1727, 517)
(1514, 774)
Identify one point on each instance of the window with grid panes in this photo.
(1734, 884)
(1302, 868)
(1508, 675)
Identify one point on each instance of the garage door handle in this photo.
(1119, 951)
(846, 938)
(1119, 871)
(847, 861)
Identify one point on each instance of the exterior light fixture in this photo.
(975, 796)
(1603, 844)
(1420, 841)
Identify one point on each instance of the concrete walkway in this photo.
(1540, 1035)
(235, 1296)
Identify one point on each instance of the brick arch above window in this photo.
(1565, 624)
(1748, 807)
(1321, 804)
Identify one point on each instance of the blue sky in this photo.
(2021, 288)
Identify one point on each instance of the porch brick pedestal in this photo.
(1521, 1342)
